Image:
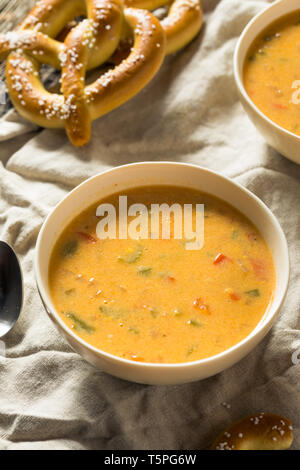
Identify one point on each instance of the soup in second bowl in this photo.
(154, 300)
(272, 75)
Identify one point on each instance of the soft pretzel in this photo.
(181, 25)
(88, 45)
(262, 431)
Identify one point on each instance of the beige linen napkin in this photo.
(49, 396)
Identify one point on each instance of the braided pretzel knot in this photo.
(87, 46)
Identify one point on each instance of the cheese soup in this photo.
(272, 74)
(154, 300)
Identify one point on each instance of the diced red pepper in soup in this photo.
(87, 237)
(260, 269)
(220, 258)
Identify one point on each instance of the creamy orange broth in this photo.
(154, 300)
(271, 72)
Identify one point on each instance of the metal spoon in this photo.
(11, 288)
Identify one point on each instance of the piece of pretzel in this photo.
(182, 23)
(262, 431)
(88, 45)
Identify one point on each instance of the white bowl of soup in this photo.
(267, 75)
(153, 308)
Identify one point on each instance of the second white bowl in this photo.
(282, 140)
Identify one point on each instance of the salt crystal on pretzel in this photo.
(261, 431)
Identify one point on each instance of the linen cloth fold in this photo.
(50, 398)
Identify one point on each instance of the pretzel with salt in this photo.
(182, 23)
(262, 431)
(89, 44)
